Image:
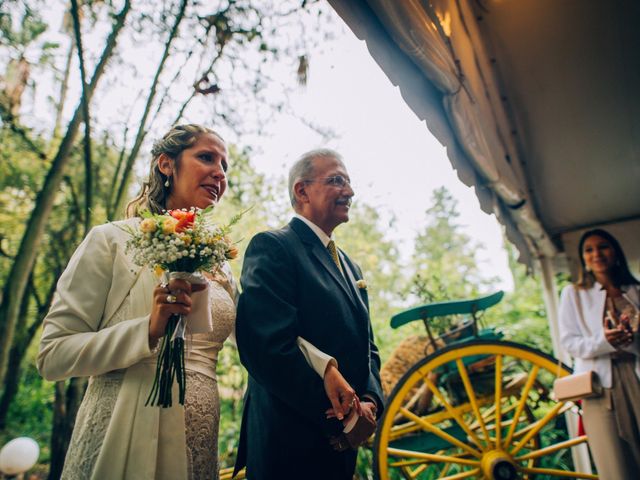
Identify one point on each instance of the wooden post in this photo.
(579, 453)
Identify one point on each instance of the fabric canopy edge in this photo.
(522, 226)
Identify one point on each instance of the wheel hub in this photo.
(497, 465)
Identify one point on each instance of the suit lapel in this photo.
(322, 254)
(352, 282)
(318, 250)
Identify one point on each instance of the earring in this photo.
(167, 183)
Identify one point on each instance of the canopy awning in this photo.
(536, 102)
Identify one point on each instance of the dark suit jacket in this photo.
(291, 288)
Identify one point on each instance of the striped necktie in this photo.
(331, 246)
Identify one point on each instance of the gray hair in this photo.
(154, 193)
(303, 169)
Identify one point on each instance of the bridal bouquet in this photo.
(180, 244)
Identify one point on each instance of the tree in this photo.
(365, 239)
(16, 284)
(445, 265)
(522, 314)
(445, 261)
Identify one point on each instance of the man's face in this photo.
(325, 198)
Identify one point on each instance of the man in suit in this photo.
(297, 284)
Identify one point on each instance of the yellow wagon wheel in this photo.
(480, 409)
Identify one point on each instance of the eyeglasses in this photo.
(339, 181)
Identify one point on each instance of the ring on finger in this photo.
(171, 298)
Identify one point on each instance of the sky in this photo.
(393, 160)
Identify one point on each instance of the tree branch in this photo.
(88, 180)
(142, 131)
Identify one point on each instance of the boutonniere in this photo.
(361, 284)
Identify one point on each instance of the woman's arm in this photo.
(71, 343)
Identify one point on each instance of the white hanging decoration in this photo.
(19, 455)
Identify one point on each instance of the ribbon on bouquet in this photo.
(171, 359)
(199, 320)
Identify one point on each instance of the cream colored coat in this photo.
(582, 331)
(98, 323)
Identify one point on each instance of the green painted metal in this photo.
(454, 307)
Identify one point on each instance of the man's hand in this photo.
(368, 409)
(342, 397)
(363, 429)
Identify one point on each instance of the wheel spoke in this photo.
(436, 391)
(470, 473)
(553, 472)
(414, 473)
(407, 463)
(522, 402)
(498, 401)
(397, 452)
(551, 414)
(472, 396)
(440, 433)
(437, 417)
(552, 448)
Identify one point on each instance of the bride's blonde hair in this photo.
(153, 195)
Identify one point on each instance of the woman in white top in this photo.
(599, 328)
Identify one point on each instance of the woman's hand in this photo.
(617, 331)
(342, 397)
(169, 299)
(619, 336)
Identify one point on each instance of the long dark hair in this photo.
(620, 273)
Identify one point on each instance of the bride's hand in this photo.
(169, 299)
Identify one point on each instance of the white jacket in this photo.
(582, 330)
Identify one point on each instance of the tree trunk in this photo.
(118, 203)
(64, 86)
(65, 408)
(16, 283)
(88, 180)
(11, 382)
(59, 443)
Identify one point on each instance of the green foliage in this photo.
(522, 314)
(445, 266)
(365, 240)
(30, 26)
(232, 380)
(31, 412)
(444, 262)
